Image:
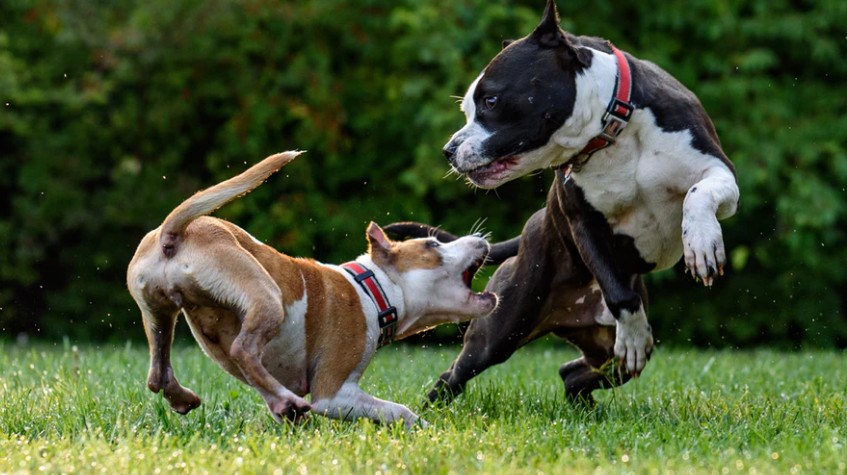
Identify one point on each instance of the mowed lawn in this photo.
(86, 409)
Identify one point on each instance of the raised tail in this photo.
(500, 251)
(206, 201)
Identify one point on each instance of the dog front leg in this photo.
(350, 402)
(488, 341)
(594, 240)
(159, 328)
(633, 337)
(523, 284)
(712, 198)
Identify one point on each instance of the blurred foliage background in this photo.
(111, 113)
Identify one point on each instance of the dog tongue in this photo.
(466, 276)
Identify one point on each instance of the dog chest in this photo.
(639, 185)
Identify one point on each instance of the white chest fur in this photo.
(640, 182)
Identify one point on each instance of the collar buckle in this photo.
(615, 119)
(387, 325)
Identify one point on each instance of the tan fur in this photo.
(335, 331)
(410, 255)
(242, 297)
(210, 199)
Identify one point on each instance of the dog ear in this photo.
(378, 243)
(548, 34)
(507, 43)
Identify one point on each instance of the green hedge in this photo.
(111, 113)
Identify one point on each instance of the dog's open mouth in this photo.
(485, 298)
(470, 272)
(493, 172)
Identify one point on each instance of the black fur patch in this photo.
(535, 87)
(621, 250)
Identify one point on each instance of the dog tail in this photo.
(500, 251)
(206, 201)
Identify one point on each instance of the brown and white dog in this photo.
(291, 326)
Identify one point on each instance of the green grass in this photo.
(87, 410)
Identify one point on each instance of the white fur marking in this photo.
(285, 355)
(473, 134)
(468, 106)
(633, 340)
(604, 317)
(713, 197)
(352, 402)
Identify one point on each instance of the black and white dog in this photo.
(641, 180)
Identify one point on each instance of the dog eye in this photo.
(490, 102)
(433, 243)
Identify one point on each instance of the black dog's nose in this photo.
(449, 151)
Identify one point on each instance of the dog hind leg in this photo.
(260, 324)
(244, 285)
(492, 339)
(596, 369)
(159, 327)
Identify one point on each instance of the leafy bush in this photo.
(113, 113)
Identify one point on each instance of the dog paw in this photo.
(185, 402)
(291, 408)
(633, 341)
(702, 244)
(181, 399)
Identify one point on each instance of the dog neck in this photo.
(595, 88)
(616, 116)
(386, 297)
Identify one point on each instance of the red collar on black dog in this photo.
(617, 115)
(387, 315)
